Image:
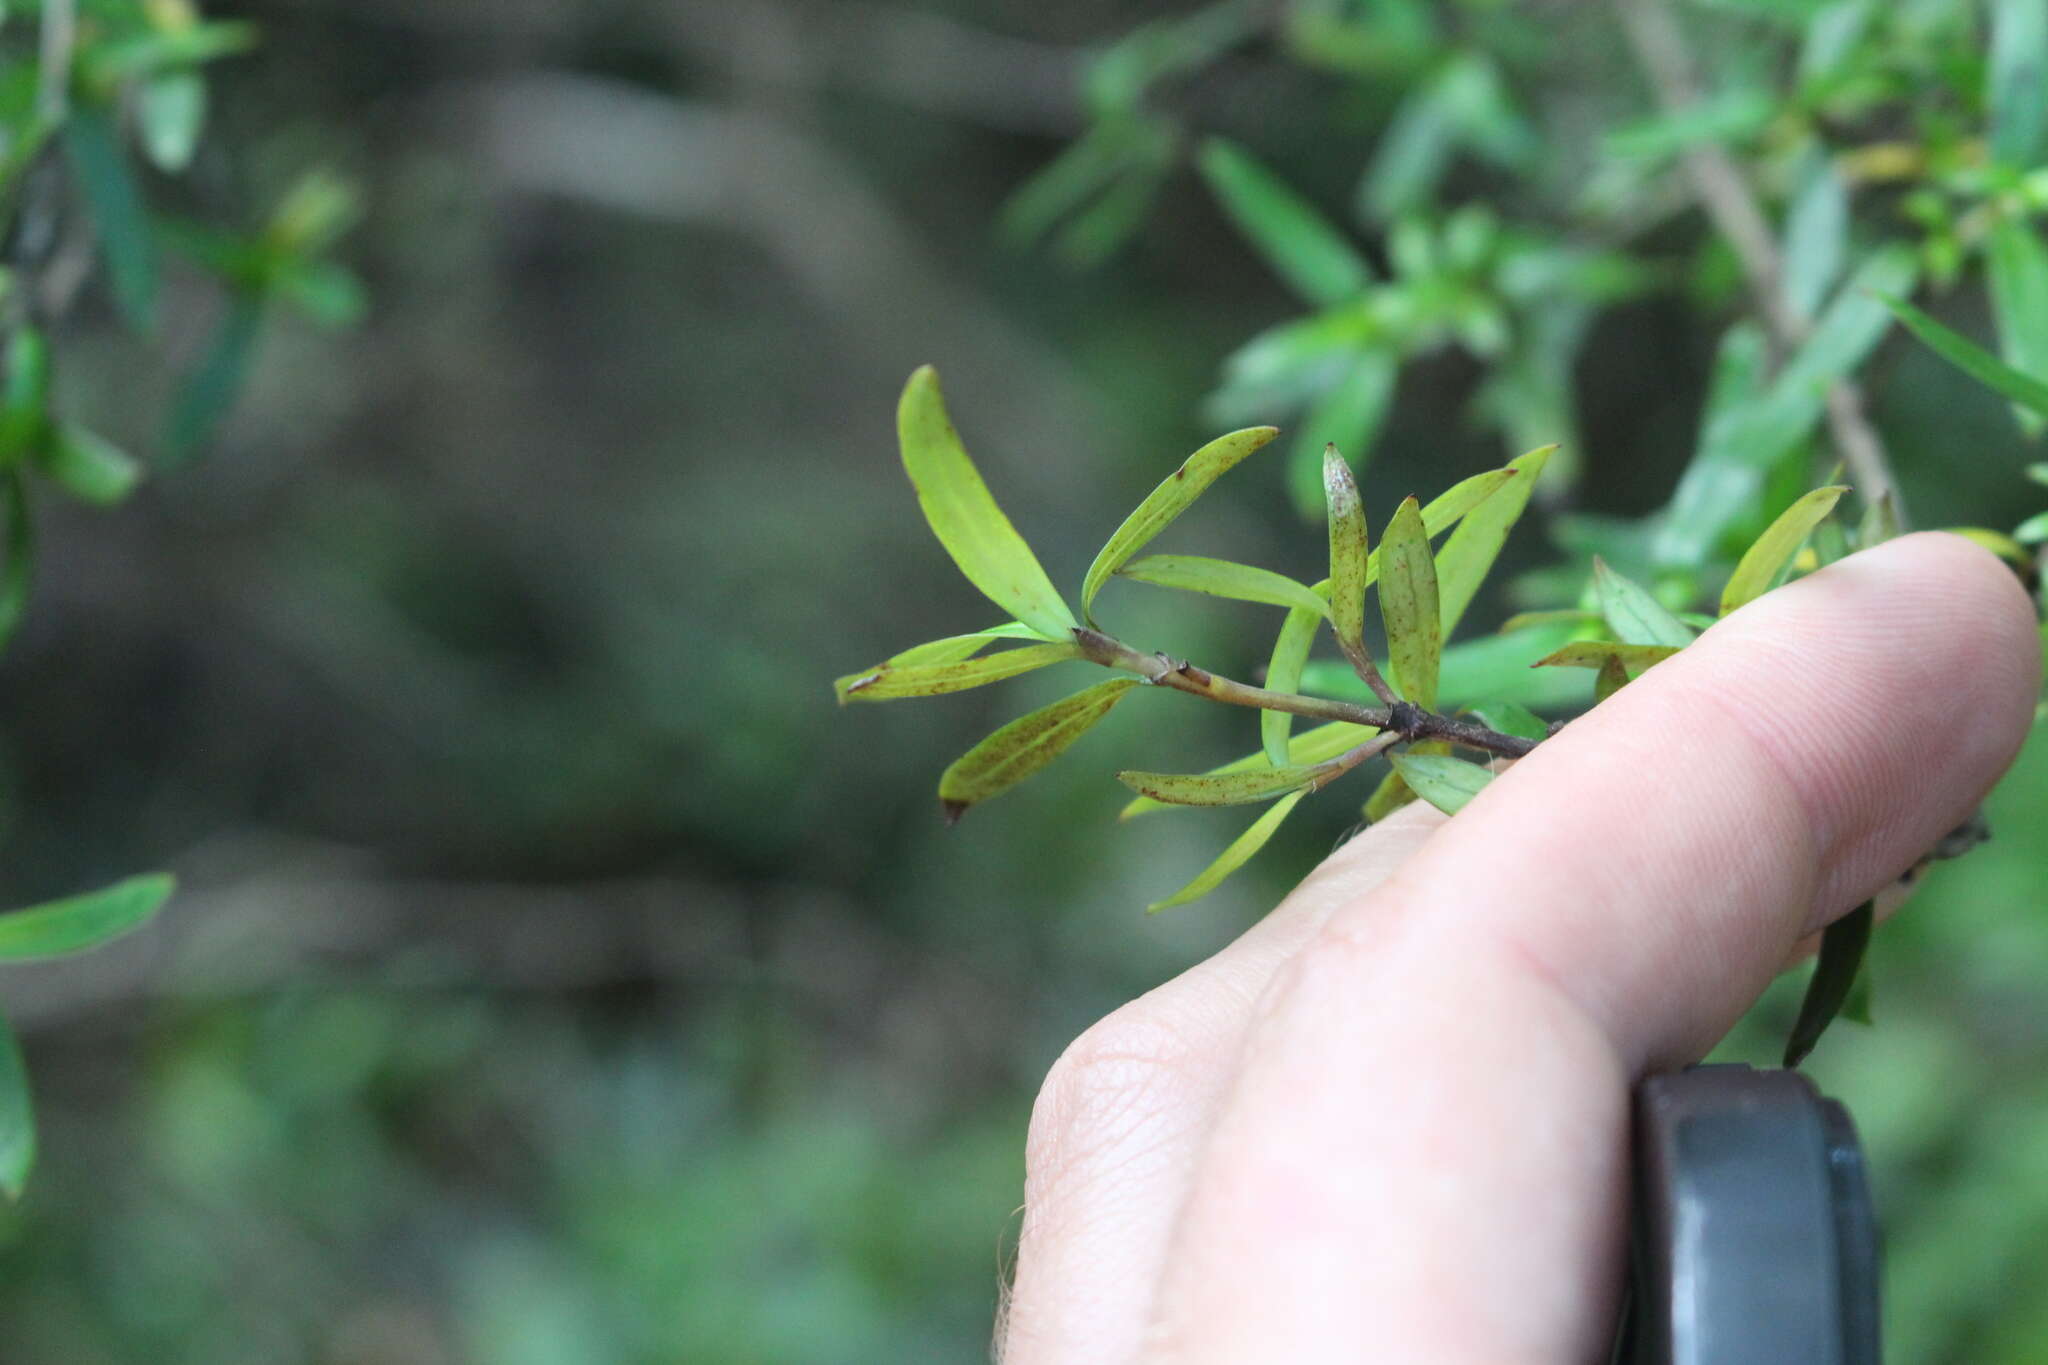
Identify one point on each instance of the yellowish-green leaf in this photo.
(1613, 676)
(1223, 578)
(887, 682)
(1510, 718)
(1026, 745)
(1593, 653)
(1232, 858)
(1445, 782)
(1973, 360)
(1175, 494)
(951, 647)
(2000, 544)
(2017, 272)
(1283, 674)
(59, 928)
(17, 1117)
(1348, 551)
(965, 516)
(1469, 554)
(1446, 509)
(1300, 244)
(1306, 749)
(1220, 788)
(1763, 561)
(1561, 616)
(1409, 606)
(1636, 617)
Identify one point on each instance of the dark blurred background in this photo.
(559, 976)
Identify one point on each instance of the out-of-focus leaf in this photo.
(24, 407)
(2000, 544)
(88, 465)
(1880, 521)
(1852, 325)
(1856, 1007)
(1972, 359)
(212, 387)
(1026, 745)
(1348, 551)
(1174, 495)
(1816, 234)
(1223, 578)
(313, 214)
(1084, 169)
(965, 517)
(1220, 788)
(1731, 116)
(1636, 617)
(1409, 605)
(17, 1117)
(118, 213)
(1832, 36)
(1121, 75)
(1613, 676)
(1348, 415)
(1472, 549)
(1594, 653)
(1293, 363)
(170, 110)
(1283, 674)
(1101, 229)
(1491, 666)
(18, 568)
(164, 49)
(328, 294)
(76, 923)
(1412, 155)
(1232, 858)
(1445, 782)
(1298, 242)
(2019, 81)
(2018, 269)
(1308, 748)
(887, 683)
(1764, 561)
(1510, 718)
(1842, 945)
(2033, 530)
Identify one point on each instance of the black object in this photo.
(1755, 1242)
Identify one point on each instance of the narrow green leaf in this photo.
(1816, 233)
(1297, 241)
(1175, 494)
(1283, 674)
(1510, 718)
(2033, 530)
(18, 568)
(17, 1117)
(2019, 81)
(1594, 653)
(965, 517)
(891, 683)
(1972, 359)
(1842, 945)
(1223, 578)
(212, 387)
(1232, 858)
(60, 928)
(1348, 415)
(328, 294)
(1613, 676)
(1409, 606)
(1026, 745)
(2018, 271)
(1766, 559)
(2000, 544)
(1306, 749)
(1445, 782)
(1880, 522)
(1636, 617)
(1444, 511)
(1470, 553)
(170, 110)
(1220, 788)
(88, 465)
(118, 211)
(1348, 551)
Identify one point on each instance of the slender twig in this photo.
(1730, 202)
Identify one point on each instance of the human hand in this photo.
(1390, 1122)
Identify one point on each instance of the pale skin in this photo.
(1389, 1122)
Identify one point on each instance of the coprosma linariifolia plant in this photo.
(103, 106)
(1853, 152)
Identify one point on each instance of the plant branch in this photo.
(1406, 721)
(1731, 204)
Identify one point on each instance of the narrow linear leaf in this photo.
(1972, 359)
(887, 683)
(210, 390)
(1232, 858)
(1510, 718)
(1816, 233)
(2018, 81)
(170, 110)
(1221, 789)
(62, 927)
(1443, 511)
(89, 466)
(1283, 674)
(1409, 606)
(1469, 554)
(1348, 551)
(965, 516)
(1613, 676)
(1842, 945)
(2018, 276)
(1307, 749)
(1349, 415)
(17, 1117)
(953, 647)
(1445, 782)
(1223, 578)
(1026, 745)
(1594, 653)
(2000, 544)
(1762, 562)
(118, 212)
(1174, 495)
(1636, 617)
(1298, 242)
